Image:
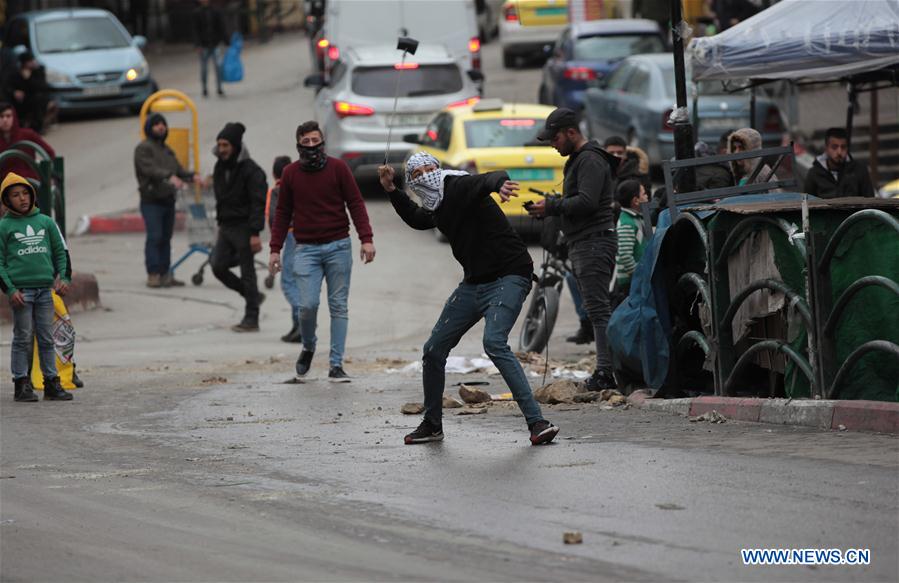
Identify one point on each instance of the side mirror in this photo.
(476, 76)
(411, 139)
(316, 80)
(139, 41)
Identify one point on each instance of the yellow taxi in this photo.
(491, 135)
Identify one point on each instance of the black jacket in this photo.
(586, 202)
(853, 181)
(240, 190)
(209, 27)
(713, 176)
(481, 237)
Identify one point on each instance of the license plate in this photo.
(722, 123)
(411, 119)
(102, 91)
(530, 174)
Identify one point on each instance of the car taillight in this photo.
(464, 102)
(580, 73)
(510, 13)
(773, 122)
(323, 44)
(667, 127)
(474, 47)
(333, 53)
(405, 66)
(345, 109)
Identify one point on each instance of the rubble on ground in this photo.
(412, 409)
(473, 394)
(711, 417)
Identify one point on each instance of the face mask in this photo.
(312, 157)
(429, 188)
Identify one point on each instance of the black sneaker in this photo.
(542, 432)
(338, 375)
(425, 433)
(304, 362)
(294, 336)
(246, 325)
(601, 380)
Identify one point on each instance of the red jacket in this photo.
(315, 204)
(19, 134)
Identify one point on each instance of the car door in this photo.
(632, 117)
(611, 113)
(324, 99)
(555, 67)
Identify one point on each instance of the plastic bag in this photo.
(64, 345)
(232, 68)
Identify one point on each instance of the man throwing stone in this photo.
(497, 279)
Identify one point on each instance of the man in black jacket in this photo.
(497, 279)
(240, 190)
(209, 35)
(835, 173)
(588, 223)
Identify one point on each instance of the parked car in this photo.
(591, 50)
(637, 99)
(360, 23)
(527, 26)
(492, 135)
(354, 105)
(91, 61)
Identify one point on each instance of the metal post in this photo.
(752, 108)
(683, 129)
(874, 145)
(850, 111)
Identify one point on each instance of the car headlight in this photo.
(139, 72)
(55, 77)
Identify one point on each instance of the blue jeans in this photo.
(34, 319)
(213, 55)
(289, 284)
(332, 262)
(571, 282)
(159, 220)
(498, 303)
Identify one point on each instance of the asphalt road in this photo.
(186, 458)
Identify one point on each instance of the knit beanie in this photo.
(232, 132)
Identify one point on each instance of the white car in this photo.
(354, 105)
(527, 26)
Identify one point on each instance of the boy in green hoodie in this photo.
(33, 262)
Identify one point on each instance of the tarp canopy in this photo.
(803, 39)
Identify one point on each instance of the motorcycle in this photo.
(543, 307)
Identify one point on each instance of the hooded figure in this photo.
(11, 133)
(159, 175)
(746, 140)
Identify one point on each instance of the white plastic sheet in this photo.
(803, 39)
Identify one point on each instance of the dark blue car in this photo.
(590, 51)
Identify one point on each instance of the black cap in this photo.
(560, 119)
(233, 132)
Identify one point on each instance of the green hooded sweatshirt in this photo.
(32, 250)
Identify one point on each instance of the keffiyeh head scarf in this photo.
(429, 186)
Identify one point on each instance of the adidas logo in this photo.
(30, 237)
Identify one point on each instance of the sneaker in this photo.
(425, 433)
(338, 375)
(601, 380)
(542, 432)
(304, 362)
(294, 336)
(154, 280)
(246, 325)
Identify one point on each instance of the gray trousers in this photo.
(593, 262)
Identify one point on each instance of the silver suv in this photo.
(354, 105)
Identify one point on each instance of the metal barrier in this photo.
(51, 198)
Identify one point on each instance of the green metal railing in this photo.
(51, 197)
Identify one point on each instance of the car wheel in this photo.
(508, 60)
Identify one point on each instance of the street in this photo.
(188, 458)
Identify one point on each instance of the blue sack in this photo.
(232, 68)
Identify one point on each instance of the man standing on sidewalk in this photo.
(159, 176)
(316, 192)
(240, 190)
(209, 35)
(497, 279)
(588, 224)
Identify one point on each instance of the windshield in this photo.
(702, 88)
(79, 34)
(501, 133)
(420, 81)
(613, 48)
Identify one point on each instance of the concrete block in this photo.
(731, 407)
(876, 416)
(674, 406)
(790, 412)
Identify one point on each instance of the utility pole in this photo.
(683, 129)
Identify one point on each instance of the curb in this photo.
(871, 416)
(127, 222)
(84, 291)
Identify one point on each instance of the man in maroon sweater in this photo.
(316, 192)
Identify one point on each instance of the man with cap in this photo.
(159, 176)
(497, 275)
(240, 190)
(588, 224)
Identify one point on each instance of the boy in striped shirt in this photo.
(630, 194)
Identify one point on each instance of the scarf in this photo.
(312, 158)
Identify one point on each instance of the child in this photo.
(32, 263)
(288, 279)
(630, 195)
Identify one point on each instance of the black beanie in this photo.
(152, 120)
(233, 132)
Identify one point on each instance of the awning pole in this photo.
(874, 145)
